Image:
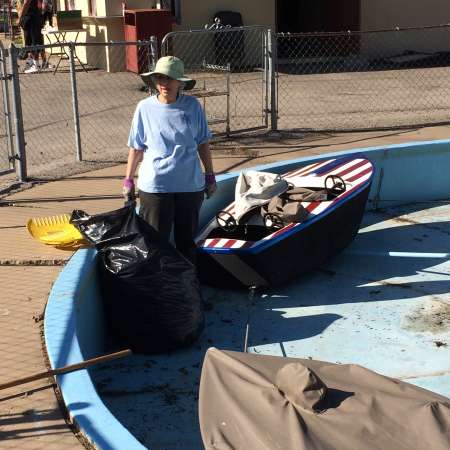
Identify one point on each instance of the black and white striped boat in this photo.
(254, 254)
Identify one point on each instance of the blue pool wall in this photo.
(74, 326)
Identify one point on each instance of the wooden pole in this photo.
(65, 369)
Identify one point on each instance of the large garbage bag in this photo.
(150, 292)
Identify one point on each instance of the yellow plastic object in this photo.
(56, 230)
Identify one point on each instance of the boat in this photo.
(261, 250)
(381, 304)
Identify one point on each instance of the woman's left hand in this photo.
(210, 185)
(210, 189)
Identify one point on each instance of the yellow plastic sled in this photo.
(57, 231)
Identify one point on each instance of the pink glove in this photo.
(128, 189)
(210, 184)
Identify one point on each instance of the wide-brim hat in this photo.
(172, 67)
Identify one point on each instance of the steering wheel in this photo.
(226, 221)
(338, 186)
(273, 221)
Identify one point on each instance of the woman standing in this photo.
(32, 16)
(169, 135)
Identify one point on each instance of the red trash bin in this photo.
(140, 25)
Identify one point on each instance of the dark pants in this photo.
(32, 27)
(180, 210)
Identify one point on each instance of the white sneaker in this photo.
(29, 62)
(33, 68)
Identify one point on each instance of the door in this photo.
(313, 16)
(306, 16)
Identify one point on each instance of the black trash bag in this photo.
(150, 292)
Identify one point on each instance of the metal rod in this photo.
(6, 105)
(251, 294)
(154, 46)
(266, 79)
(18, 118)
(149, 57)
(153, 51)
(247, 331)
(58, 199)
(76, 113)
(65, 369)
(227, 131)
(213, 31)
(84, 44)
(272, 44)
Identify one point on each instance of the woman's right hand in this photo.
(128, 189)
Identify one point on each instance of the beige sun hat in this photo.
(172, 67)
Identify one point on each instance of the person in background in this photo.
(32, 15)
(170, 136)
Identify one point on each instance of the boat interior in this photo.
(258, 223)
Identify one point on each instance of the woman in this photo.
(170, 135)
(32, 15)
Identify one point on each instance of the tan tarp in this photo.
(254, 189)
(252, 402)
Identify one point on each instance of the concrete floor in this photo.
(30, 417)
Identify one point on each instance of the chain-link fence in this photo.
(107, 100)
(363, 80)
(80, 107)
(229, 65)
(8, 18)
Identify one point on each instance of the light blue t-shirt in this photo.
(169, 135)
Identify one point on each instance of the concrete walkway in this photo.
(30, 417)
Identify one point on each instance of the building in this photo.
(103, 19)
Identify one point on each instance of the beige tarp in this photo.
(253, 402)
(254, 189)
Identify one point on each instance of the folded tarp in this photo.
(254, 189)
(256, 402)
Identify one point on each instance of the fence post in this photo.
(148, 48)
(265, 77)
(76, 113)
(18, 118)
(153, 54)
(272, 58)
(6, 106)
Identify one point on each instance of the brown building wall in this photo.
(386, 14)
(383, 14)
(195, 14)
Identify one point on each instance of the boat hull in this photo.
(289, 257)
